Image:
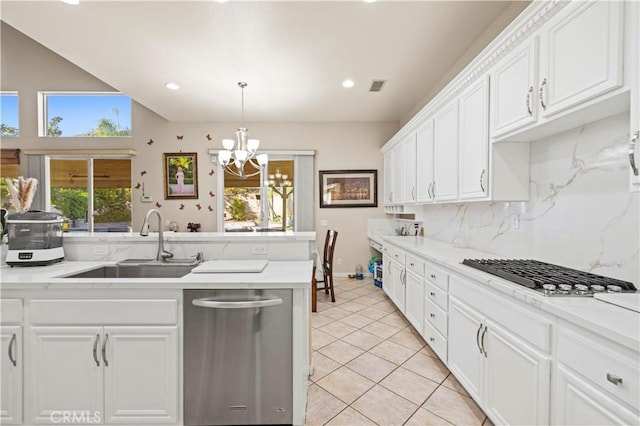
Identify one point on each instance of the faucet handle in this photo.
(199, 257)
(166, 255)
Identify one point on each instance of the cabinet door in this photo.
(141, 375)
(11, 372)
(387, 277)
(396, 195)
(474, 140)
(517, 379)
(465, 357)
(408, 167)
(398, 277)
(445, 168)
(388, 177)
(634, 149)
(65, 373)
(424, 159)
(581, 53)
(581, 403)
(513, 89)
(414, 301)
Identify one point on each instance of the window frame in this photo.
(43, 111)
(17, 95)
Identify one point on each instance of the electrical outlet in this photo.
(146, 199)
(339, 261)
(515, 221)
(259, 249)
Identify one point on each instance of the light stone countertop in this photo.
(611, 321)
(190, 236)
(277, 274)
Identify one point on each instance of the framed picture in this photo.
(180, 175)
(348, 188)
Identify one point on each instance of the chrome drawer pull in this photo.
(529, 93)
(243, 304)
(104, 350)
(478, 338)
(432, 315)
(614, 379)
(432, 294)
(542, 86)
(632, 153)
(431, 339)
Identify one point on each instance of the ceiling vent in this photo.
(377, 85)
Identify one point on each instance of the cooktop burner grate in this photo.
(549, 278)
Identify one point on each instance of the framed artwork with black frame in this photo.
(180, 175)
(348, 188)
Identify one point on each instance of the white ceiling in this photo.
(293, 55)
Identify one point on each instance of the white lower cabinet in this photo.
(387, 277)
(414, 300)
(509, 377)
(112, 375)
(11, 371)
(398, 276)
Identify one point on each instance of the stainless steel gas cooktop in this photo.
(549, 279)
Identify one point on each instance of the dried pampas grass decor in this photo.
(22, 192)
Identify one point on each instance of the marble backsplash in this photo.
(580, 212)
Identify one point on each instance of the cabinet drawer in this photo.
(10, 311)
(600, 365)
(436, 341)
(437, 275)
(105, 312)
(398, 255)
(415, 264)
(436, 316)
(435, 295)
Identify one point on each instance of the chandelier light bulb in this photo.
(253, 144)
(228, 144)
(224, 157)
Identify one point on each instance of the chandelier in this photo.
(242, 151)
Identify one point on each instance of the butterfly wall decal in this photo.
(211, 194)
(208, 137)
(199, 206)
(138, 186)
(150, 142)
(212, 172)
(181, 206)
(210, 208)
(180, 137)
(142, 173)
(158, 205)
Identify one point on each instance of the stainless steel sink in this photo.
(140, 270)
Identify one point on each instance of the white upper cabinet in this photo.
(396, 194)
(408, 167)
(445, 167)
(634, 147)
(424, 155)
(474, 141)
(513, 89)
(581, 55)
(388, 177)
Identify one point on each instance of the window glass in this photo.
(86, 115)
(105, 198)
(7, 171)
(280, 181)
(9, 122)
(242, 207)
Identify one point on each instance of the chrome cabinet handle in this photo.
(403, 278)
(542, 85)
(411, 264)
(429, 190)
(433, 277)
(478, 339)
(632, 152)
(12, 343)
(432, 315)
(95, 350)
(104, 350)
(413, 193)
(432, 340)
(529, 94)
(482, 341)
(616, 380)
(242, 304)
(433, 190)
(432, 294)
(481, 180)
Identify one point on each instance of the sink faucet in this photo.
(162, 253)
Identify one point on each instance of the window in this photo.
(9, 122)
(268, 202)
(8, 169)
(84, 114)
(93, 194)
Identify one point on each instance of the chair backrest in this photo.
(329, 247)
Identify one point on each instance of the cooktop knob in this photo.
(549, 288)
(614, 289)
(581, 289)
(564, 288)
(597, 288)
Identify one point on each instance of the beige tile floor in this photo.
(372, 368)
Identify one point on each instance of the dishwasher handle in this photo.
(236, 304)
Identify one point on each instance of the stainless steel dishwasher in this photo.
(237, 357)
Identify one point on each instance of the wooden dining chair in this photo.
(327, 264)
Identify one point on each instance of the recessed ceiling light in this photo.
(172, 86)
(348, 83)
(74, 2)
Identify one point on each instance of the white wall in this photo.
(580, 212)
(29, 67)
